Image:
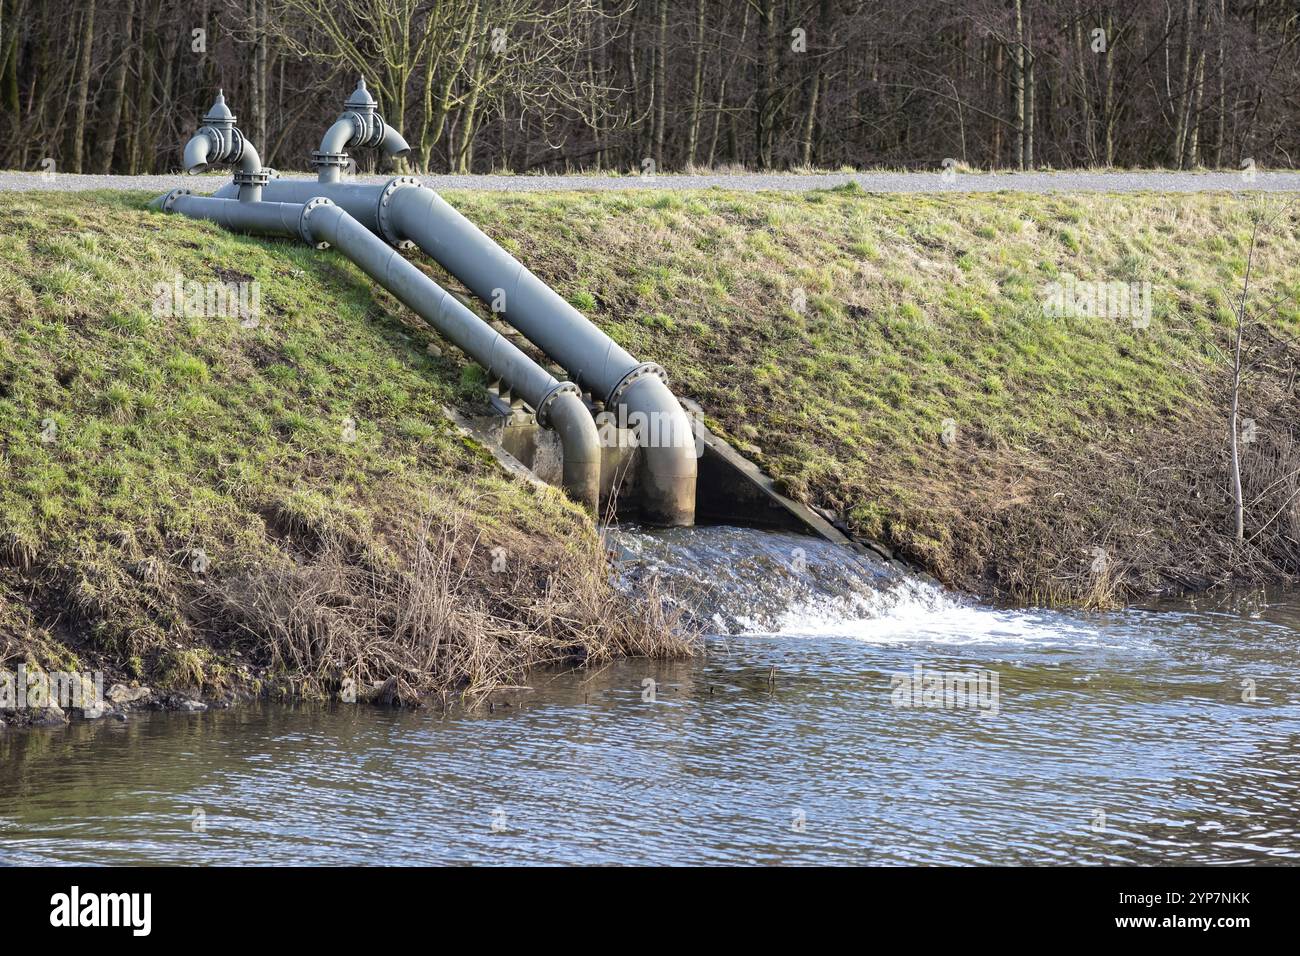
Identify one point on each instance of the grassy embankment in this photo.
(325, 557)
(1089, 460)
(208, 507)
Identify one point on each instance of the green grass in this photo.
(837, 330)
(830, 334)
(132, 441)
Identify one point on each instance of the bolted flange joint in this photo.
(259, 178)
(227, 144)
(319, 159)
(544, 407)
(169, 201)
(304, 227)
(367, 127)
(638, 373)
(382, 214)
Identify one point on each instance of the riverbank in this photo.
(1120, 738)
(217, 505)
(890, 359)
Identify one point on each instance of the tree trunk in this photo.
(83, 86)
(1082, 46)
(9, 98)
(259, 93)
(1184, 87)
(661, 85)
(815, 88)
(1108, 97)
(764, 118)
(999, 86)
(113, 115)
(1029, 111)
(697, 84)
(1018, 78)
(469, 118)
(1223, 99)
(1194, 123)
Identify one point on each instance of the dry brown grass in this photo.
(435, 610)
(1148, 510)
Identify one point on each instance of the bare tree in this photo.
(555, 84)
(86, 45)
(1261, 221)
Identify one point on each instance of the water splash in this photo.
(734, 581)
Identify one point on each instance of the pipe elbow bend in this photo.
(580, 442)
(669, 449)
(339, 136)
(393, 144)
(249, 160)
(198, 153)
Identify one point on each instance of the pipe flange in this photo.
(304, 228)
(544, 406)
(220, 143)
(234, 141)
(227, 144)
(628, 380)
(372, 130)
(367, 127)
(319, 159)
(259, 178)
(377, 125)
(382, 210)
(170, 199)
(363, 128)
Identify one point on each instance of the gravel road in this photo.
(745, 182)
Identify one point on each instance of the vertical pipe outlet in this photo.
(219, 143)
(360, 125)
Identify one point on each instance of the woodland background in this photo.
(554, 85)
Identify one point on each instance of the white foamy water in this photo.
(745, 581)
(949, 622)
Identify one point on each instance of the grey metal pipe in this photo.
(558, 404)
(360, 125)
(350, 130)
(340, 135)
(195, 156)
(592, 358)
(580, 441)
(250, 176)
(529, 304)
(200, 155)
(361, 200)
(219, 143)
(260, 218)
(420, 215)
(669, 449)
(394, 144)
(329, 223)
(665, 433)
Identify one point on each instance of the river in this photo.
(844, 712)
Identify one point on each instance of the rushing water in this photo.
(1166, 735)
